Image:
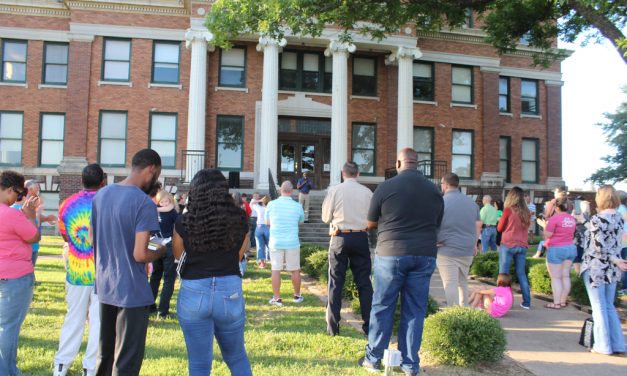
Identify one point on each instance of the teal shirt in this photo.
(284, 214)
(489, 215)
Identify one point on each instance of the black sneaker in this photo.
(365, 364)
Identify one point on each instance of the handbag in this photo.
(586, 338)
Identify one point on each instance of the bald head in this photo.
(407, 159)
(487, 200)
(286, 188)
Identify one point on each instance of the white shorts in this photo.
(285, 259)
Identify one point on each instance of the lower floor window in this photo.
(230, 142)
(364, 144)
(461, 161)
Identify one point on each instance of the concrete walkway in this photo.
(546, 341)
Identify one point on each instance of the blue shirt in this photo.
(34, 246)
(284, 215)
(118, 213)
(306, 187)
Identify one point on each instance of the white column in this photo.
(339, 110)
(269, 114)
(405, 125)
(197, 40)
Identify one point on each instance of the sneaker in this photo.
(399, 369)
(365, 364)
(524, 306)
(89, 372)
(60, 370)
(298, 298)
(162, 316)
(276, 302)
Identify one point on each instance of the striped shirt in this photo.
(283, 215)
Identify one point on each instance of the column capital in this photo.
(197, 34)
(403, 52)
(266, 41)
(337, 46)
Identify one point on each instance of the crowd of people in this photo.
(123, 239)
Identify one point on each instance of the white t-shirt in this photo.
(260, 210)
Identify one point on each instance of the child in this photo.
(497, 301)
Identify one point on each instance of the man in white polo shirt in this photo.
(283, 216)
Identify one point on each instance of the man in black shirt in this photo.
(407, 211)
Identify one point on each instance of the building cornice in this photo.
(35, 11)
(147, 7)
(127, 31)
(473, 60)
(34, 34)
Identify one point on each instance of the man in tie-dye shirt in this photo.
(82, 302)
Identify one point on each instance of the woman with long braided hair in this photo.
(214, 235)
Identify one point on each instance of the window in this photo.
(230, 139)
(305, 71)
(529, 97)
(530, 160)
(423, 144)
(462, 85)
(423, 81)
(469, 19)
(461, 162)
(14, 60)
(504, 94)
(163, 137)
(55, 63)
(51, 139)
(165, 62)
(113, 138)
(365, 76)
(233, 67)
(504, 158)
(364, 144)
(11, 124)
(117, 60)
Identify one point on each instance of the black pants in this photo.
(252, 221)
(166, 268)
(349, 250)
(122, 340)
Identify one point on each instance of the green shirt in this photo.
(489, 215)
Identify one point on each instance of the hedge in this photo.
(487, 265)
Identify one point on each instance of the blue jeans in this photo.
(208, 307)
(15, 298)
(519, 256)
(410, 276)
(623, 279)
(262, 234)
(488, 238)
(607, 331)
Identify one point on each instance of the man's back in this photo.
(458, 231)
(408, 209)
(284, 214)
(347, 204)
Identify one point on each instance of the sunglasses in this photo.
(20, 193)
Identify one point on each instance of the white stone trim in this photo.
(115, 83)
(532, 74)
(48, 10)
(152, 33)
(443, 57)
(305, 93)
(366, 97)
(16, 84)
(173, 86)
(553, 83)
(34, 34)
(433, 103)
(153, 7)
(509, 114)
(301, 105)
(464, 105)
(226, 88)
(522, 116)
(370, 179)
(47, 86)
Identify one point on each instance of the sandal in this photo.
(564, 305)
(553, 306)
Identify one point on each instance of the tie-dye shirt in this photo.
(74, 222)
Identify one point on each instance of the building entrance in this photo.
(304, 146)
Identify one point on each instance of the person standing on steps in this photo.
(304, 185)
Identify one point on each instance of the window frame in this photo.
(507, 95)
(472, 152)
(300, 69)
(21, 138)
(41, 137)
(45, 64)
(175, 141)
(431, 130)
(100, 137)
(508, 177)
(536, 141)
(217, 142)
(2, 61)
(104, 61)
(239, 47)
(472, 84)
(536, 99)
(376, 76)
(154, 62)
(374, 149)
(432, 64)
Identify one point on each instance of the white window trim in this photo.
(228, 88)
(509, 114)
(115, 83)
(151, 85)
(17, 84)
(365, 97)
(465, 105)
(307, 93)
(48, 86)
(530, 116)
(433, 103)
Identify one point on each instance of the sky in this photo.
(593, 77)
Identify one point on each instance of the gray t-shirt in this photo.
(458, 231)
(118, 212)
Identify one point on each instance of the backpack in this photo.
(586, 338)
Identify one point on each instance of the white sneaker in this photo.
(298, 298)
(276, 302)
(60, 369)
(524, 306)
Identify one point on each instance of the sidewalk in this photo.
(546, 341)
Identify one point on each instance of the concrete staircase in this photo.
(315, 232)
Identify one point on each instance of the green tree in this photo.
(539, 22)
(615, 131)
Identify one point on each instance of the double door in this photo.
(304, 154)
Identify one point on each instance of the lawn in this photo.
(280, 341)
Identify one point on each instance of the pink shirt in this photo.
(15, 253)
(502, 301)
(562, 225)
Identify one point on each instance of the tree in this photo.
(539, 22)
(616, 133)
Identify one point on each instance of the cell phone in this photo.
(156, 242)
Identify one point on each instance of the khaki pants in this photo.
(303, 199)
(454, 274)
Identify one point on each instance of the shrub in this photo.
(463, 336)
(483, 264)
(317, 264)
(578, 291)
(540, 280)
(307, 249)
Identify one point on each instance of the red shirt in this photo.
(247, 208)
(514, 233)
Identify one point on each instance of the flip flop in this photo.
(553, 306)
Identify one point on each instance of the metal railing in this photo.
(432, 170)
(193, 161)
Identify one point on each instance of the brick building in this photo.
(95, 81)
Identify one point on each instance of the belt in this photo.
(350, 231)
(490, 225)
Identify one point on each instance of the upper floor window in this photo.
(116, 60)
(470, 22)
(364, 147)
(424, 84)
(305, 71)
(504, 158)
(11, 125)
(504, 94)
(462, 154)
(423, 144)
(233, 67)
(163, 137)
(165, 62)
(365, 76)
(461, 88)
(230, 142)
(529, 97)
(55, 63)
(530, 160)
(112, 150)
(51, 139)
(14, 60)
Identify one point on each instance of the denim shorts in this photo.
(559, 254)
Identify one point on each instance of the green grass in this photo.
(279, 341)
(51, 246)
